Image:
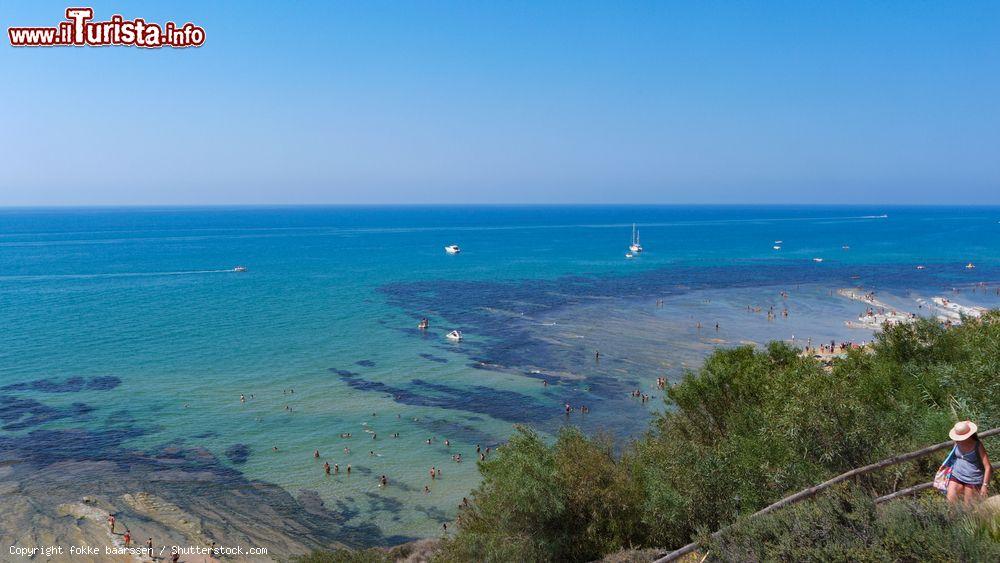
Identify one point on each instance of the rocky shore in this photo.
(177, 496)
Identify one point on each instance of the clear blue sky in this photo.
(511, 102)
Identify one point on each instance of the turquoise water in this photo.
(143, 307)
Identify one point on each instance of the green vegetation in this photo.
(373, 555)
(421, 550)
(747, 429)
(845, 526)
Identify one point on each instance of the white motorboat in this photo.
(240, 269)
(635, 247)
(452, 249)
(455, 335)
(970, 266)
(817, 259)
(920, 267)
(776, 247)
(629, 255)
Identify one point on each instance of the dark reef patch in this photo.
(18, 413)
(434, 513)
(384, 504)
(68, 385)
(343, 372)
(458, 431)
(365, 363)
(434, 358)
(105, 383)
(500, 404)
(238, 453)
(503, 405)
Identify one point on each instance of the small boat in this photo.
(635, 247)
(970, 266)
(921, 267)
(240, 269)
(452, 249)
(778, 241)
(817, 259)
(776, 247)
(629, 255)
(845, 247)
(455, 335)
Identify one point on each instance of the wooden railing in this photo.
(812, 491)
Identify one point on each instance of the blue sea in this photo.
(125, 333)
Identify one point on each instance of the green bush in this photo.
(845, 525)
(346, 556)
(571, 500)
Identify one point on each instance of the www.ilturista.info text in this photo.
(80, 30)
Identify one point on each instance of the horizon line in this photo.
(67, 206)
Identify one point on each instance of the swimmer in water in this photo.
(326, 467)
(316, 454)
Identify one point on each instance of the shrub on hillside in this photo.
(845, 525)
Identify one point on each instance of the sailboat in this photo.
(635, 247)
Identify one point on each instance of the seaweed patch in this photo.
(238, 453)
(68, 385)
(434, 358)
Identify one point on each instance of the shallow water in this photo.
(128, 327)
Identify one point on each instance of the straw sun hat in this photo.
(962, 430)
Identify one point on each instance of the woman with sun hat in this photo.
(971, 471)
